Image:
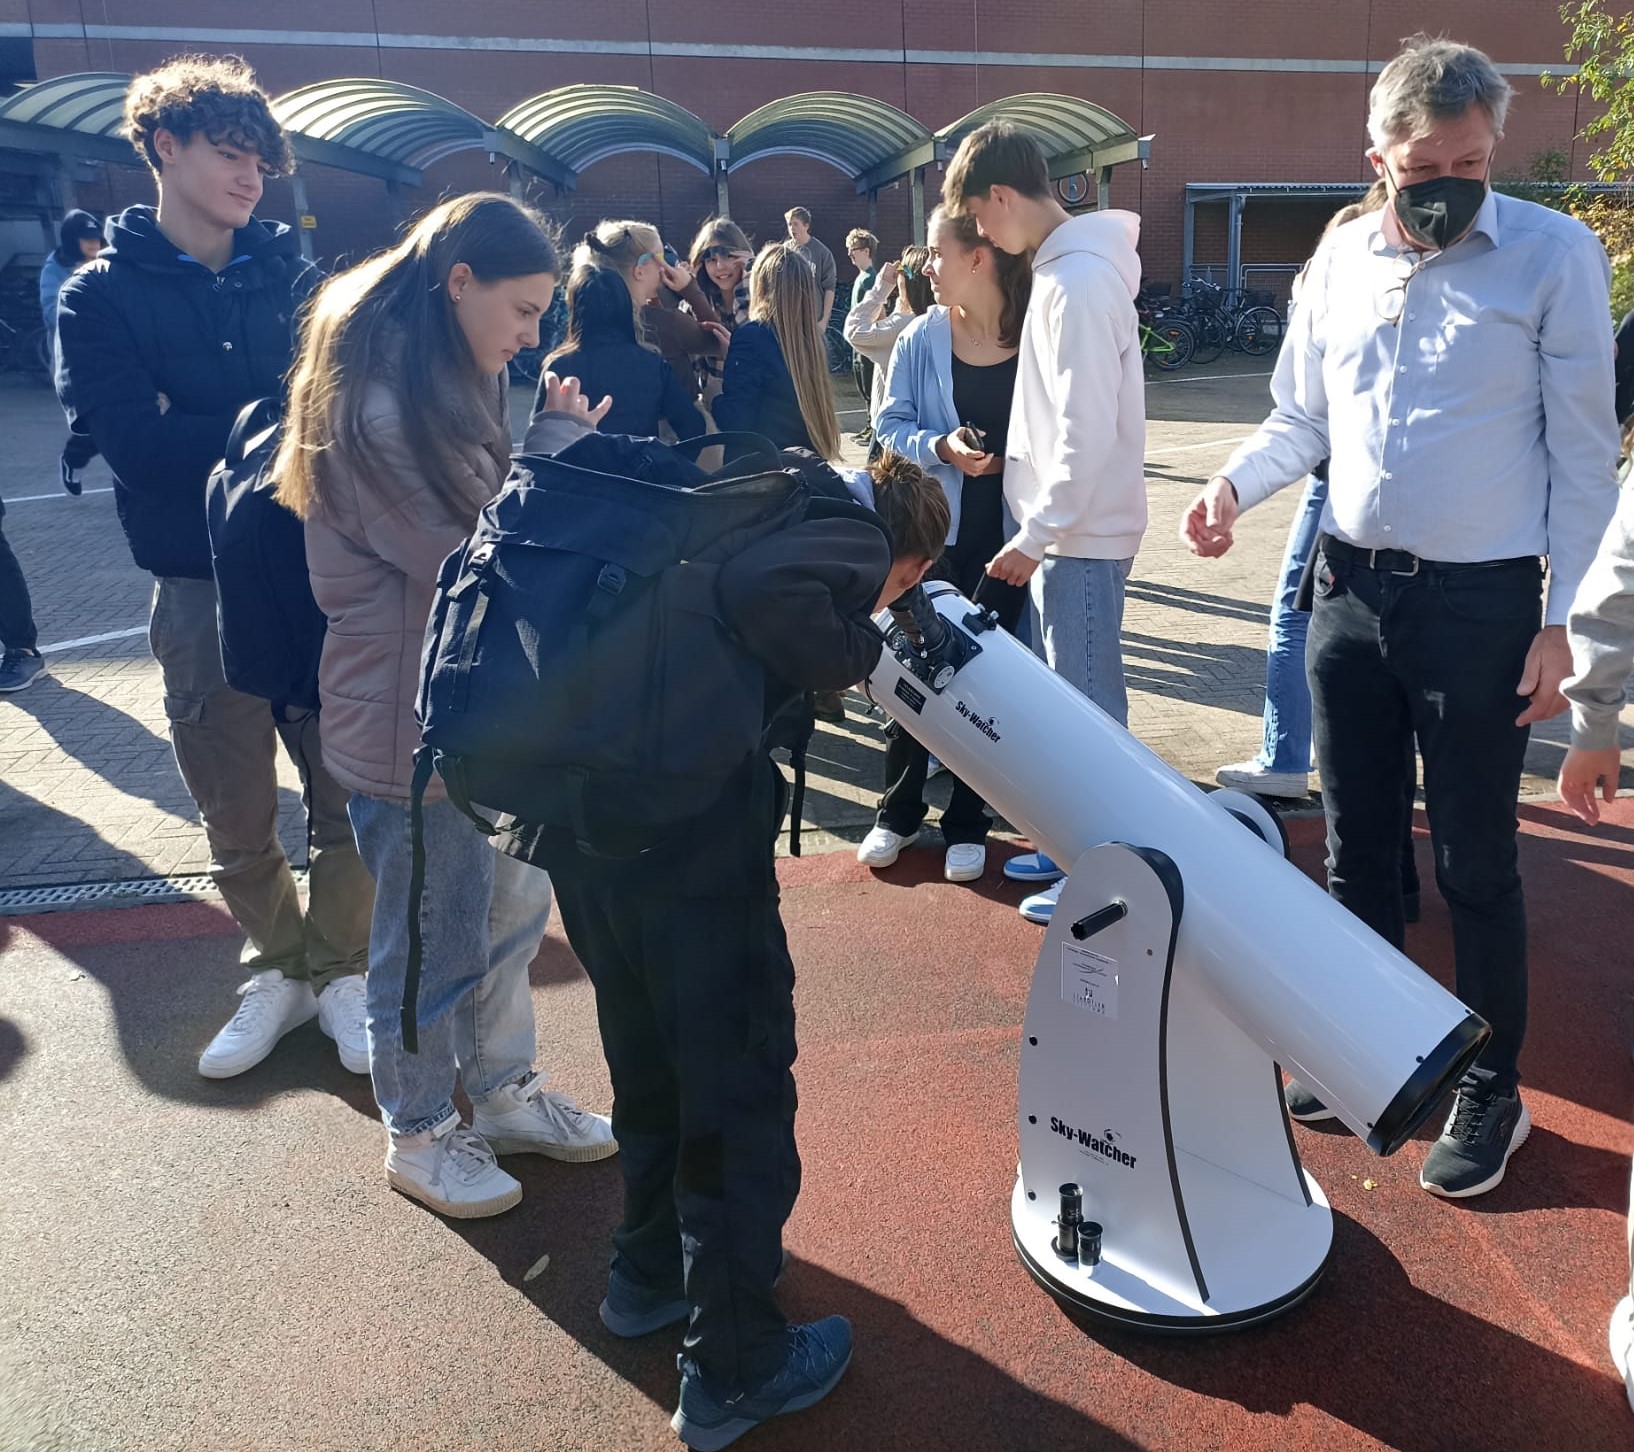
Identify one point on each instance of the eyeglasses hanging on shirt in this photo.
(1390, 304)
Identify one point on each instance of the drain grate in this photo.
(126, 893)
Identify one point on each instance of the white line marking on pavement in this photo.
(1210, 377)
(93, 639)
(1206, 444)
(60, 494)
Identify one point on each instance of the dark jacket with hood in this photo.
(643, 386)
(146, 320)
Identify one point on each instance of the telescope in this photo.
(1159, 1186)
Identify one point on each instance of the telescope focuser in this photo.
(925, 643)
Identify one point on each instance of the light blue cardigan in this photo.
(918, 407)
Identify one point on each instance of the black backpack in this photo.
(577, 673)
(271, 628)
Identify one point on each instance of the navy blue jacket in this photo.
(757, 390)
(145, 319)
(644, 388)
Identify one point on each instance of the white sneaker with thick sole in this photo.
(272, 1005)
(1254, 776)
(521, 1119)
(1040, 907)
(1621, 1339)
(965, 861)
(452, 1169)
(881, 847)
(344, 1016)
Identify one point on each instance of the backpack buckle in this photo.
(612, 579)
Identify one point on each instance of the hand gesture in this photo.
(969, 460)
(1548, 663)
(721, 334)
(1584, 771)
(886, 277)
(562, 396)
(677, 278)
(1205, 529)
(1012, 566)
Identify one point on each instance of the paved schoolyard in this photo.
(89, 793)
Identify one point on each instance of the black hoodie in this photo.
(145, 319)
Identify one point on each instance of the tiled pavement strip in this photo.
(89, 791)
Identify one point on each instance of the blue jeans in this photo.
(1078, 626)
(1287, 743)
(482, 919)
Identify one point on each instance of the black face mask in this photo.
(1439, 211)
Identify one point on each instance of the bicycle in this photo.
(1246, 322)
(1167, 341)
(26, 350)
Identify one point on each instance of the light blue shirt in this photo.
(1480, 424)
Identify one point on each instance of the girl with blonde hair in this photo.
(776, 378)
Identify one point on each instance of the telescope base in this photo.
(1115, 1295)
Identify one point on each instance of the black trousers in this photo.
(862, 373)
(695, 998)
(1439, 654)
(17, 630)
(902, 808)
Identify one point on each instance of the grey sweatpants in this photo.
(226, 749)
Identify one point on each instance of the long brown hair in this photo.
(911, 280)
(717, 232)
(389, 319)
(1014, 273)
(783, 294)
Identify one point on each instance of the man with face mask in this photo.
(1452, 354)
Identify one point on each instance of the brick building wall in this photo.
(1233, 90)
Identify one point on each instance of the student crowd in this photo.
(1445, 389)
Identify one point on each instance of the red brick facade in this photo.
(1145, 60)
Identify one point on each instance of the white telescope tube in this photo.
(1376, 1038)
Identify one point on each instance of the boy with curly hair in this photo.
(184, 318)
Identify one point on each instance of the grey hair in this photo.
(1433, 80)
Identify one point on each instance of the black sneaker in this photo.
(1303, 1105)
(20, 669)
(1482, 1132)
(818, 1356)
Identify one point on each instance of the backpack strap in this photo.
(797, 800)
(751, 444)
(253, 418)
(409, 1014)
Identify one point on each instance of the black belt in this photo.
(1403, 562)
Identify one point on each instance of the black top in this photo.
(981, 396)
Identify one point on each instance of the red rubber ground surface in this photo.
(196, 1264)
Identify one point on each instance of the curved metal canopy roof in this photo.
(394, 123)
(581, 125)
(854, 133)
(77, 115)
(1076, 135)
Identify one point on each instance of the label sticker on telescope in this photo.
(915, 700)
(1089, 980)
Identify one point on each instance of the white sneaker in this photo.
(1254, 776)
(451, 1169)
(965, 861)
(1621, 1337)
(523, 1119)
(881, 847)
(344, 1016)
(271, 1007)
(1040, 907)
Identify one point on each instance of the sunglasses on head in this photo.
(669, 255)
